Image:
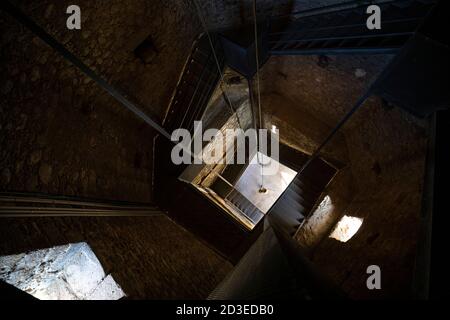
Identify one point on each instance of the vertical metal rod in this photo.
(252, 104)
(255, 126)
(258, 91)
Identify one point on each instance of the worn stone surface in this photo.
(387, 157)
(69, 272)
(60, 133)
(5, 176)
(51, 113)
(326, 93)
(149, 257)
(332, 206)
(54, 115)
(381, 153)
(45, 173)
(300, 129)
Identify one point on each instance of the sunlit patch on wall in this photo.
(325, 206)
(69, 272)
(346, 228)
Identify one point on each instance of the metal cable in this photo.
(258, 89)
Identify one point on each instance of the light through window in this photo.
(69, 272)
(346, 228)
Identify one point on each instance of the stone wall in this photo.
(302, 130)
(325, 87)
(333, 203)
(381, 153)
(149, 257)
(56, 125)
(61, 133)
(387, 153)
